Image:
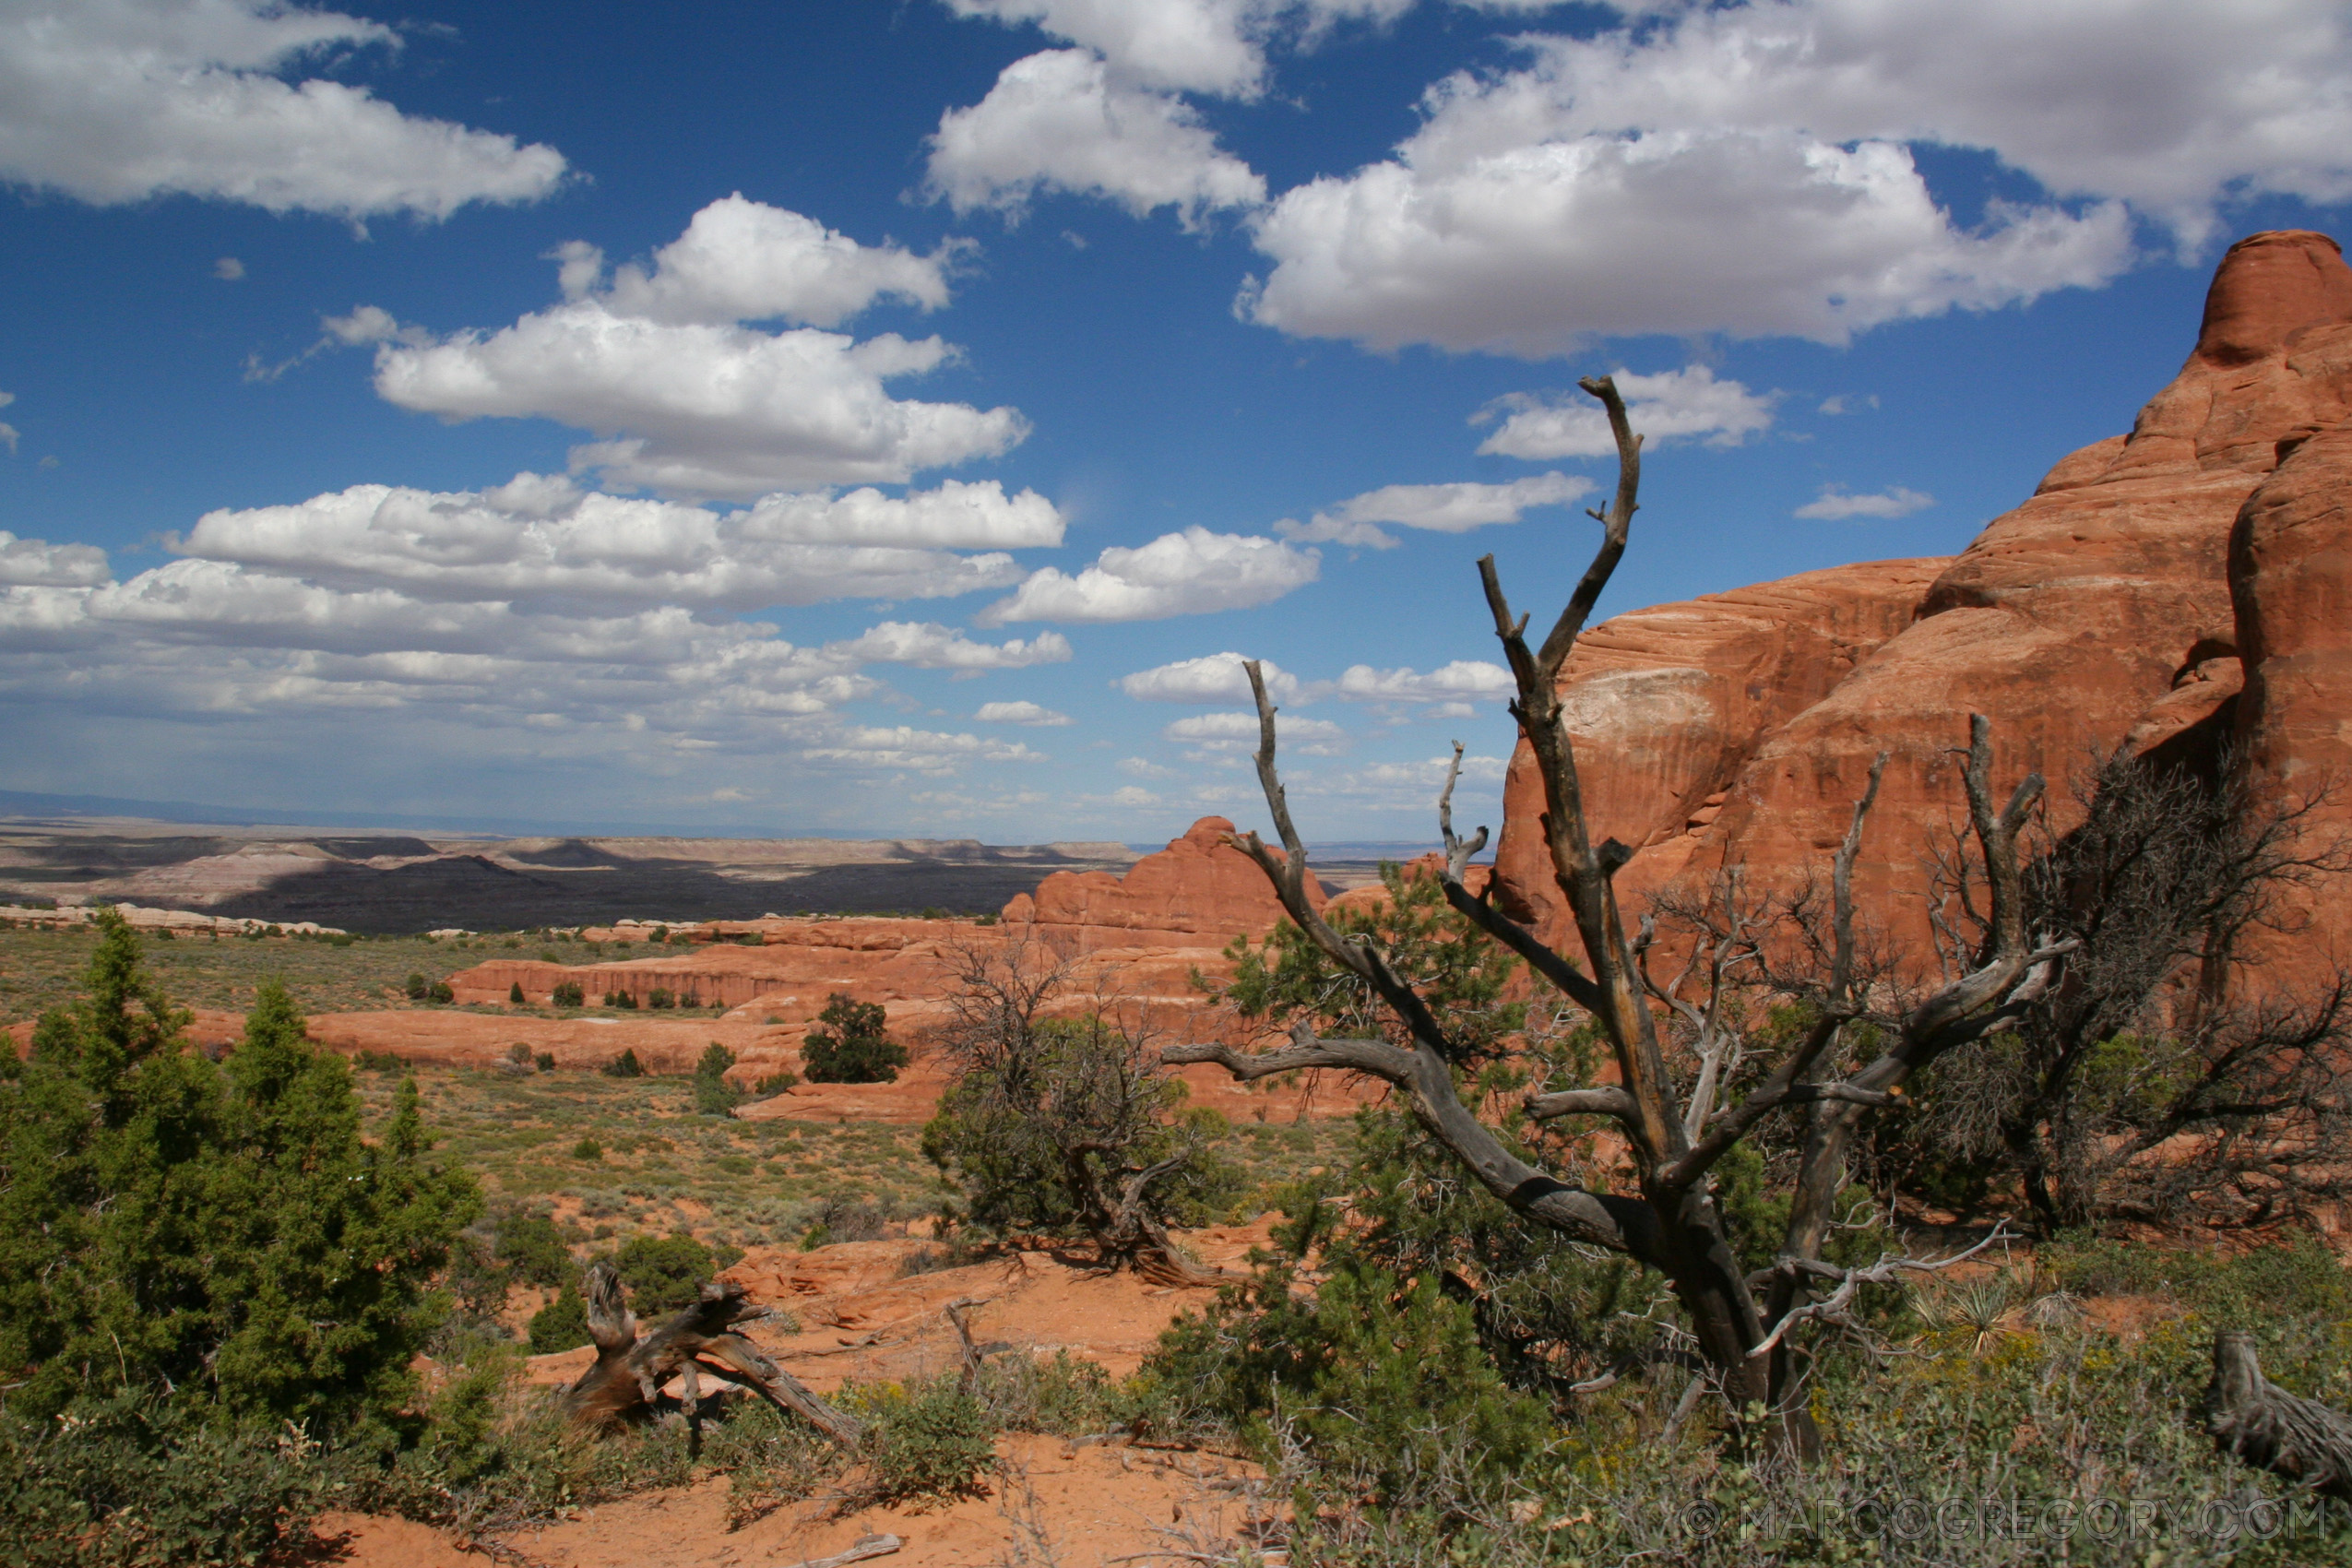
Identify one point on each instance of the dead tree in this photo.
(2251, 1418)
(1670, 1220)
(629, 1371)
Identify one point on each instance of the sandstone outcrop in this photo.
(1200, 891)
(1666, 705)
(2111, 607)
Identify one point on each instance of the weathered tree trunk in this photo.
(2253, 1420)
(629, 1369)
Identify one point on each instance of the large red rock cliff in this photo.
(2110, 608)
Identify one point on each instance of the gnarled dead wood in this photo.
(2252, 1419)
(630, 1370)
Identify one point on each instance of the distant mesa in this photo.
(1198, 890)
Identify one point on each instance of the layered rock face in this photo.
(2099, 613)
(1667, 704)
(1200, 891)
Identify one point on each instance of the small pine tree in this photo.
(624, 1065)
(514, 993)
(851, 1046)
(714, 1095)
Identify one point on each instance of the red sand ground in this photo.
(1051, 1503)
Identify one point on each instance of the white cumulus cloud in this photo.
(1058, 121)
(119, 100)
(1230, 732)
(36, 563)
(1215, 677)
(1461, 681)
(690, 403)
(741, 260)
(1835, 503)
(1444, 508)
(1192, 573)
(1674, 405)
(1206, 46)
(915, 750)
(929, 646)
(540, 540)
(1028, 713)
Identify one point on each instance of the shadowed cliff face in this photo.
(2099, 613)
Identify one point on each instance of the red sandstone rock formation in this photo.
(1199, 892)
(2100, 611)
(1670, 704)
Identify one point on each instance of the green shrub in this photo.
(514, 993)
(587, 1148)
(132, 1479)
(419, 988)
(773, 1084)
(624, 1000)
(660, 996)
(224, 1231)
(440, 991)
(624, 1065)
(714, 1095)
(545, 1061)
(559, 1325)
(928, 1441)
(567, 994)
(665, 1274)
(533, 1248)
(850, 1045)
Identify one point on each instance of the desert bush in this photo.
(419, 988)
(544, 1060)
(664, 1273)
(587, 1148)
(841, 1217)
(138, 1480)
(567, 994)
(773, 1084)
(929, 1439)
(624, 1000)
(714, 1095)
(624, 1065)
(851, 1045)
(660, 996)
(532, 1246)
(560, 1324)
(514, 993)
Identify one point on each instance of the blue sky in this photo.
(880, 417)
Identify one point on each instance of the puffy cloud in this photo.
(542, 540)
(1445, 508)
(228, 269)
(1192, 573)
(916, 751)
(1835, 503)
(743, 260)
(121, 101)
(929, 646)
(1228, 732)
(1208, 46)
(1528, 243)
(1058, 121)
(1405, 787)
(1216, 677)
(1021, 713)
(1462, 680)
(1747, 169)
(690, 402)
(1675, 405)
(1133, 795)
(36, 563)
(2175, 106)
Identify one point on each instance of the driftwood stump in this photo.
(629, 1371)
(2253, 1420)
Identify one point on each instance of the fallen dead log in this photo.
(630, 1370)
(2253, 1420)
(867, 1546)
